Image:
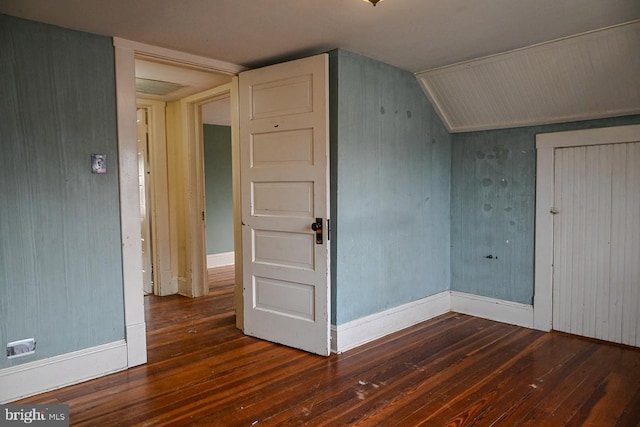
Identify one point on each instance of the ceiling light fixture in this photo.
(373, 2)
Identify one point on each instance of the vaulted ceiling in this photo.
(415, 35)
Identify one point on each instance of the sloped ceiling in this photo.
(581, 77)
(414, 35)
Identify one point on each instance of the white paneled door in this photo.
(596, 271)
(284, 147)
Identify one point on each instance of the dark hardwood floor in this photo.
(454, 370)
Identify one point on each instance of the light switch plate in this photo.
(99, 163)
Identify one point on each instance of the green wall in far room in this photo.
(218, 188)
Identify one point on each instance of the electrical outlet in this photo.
(21, 348)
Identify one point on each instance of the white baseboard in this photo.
(48, 374)
(220, 260)
(503, 311)
(55, 372)
(361, 331)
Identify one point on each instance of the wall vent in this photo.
(156, 87)
(591, 75)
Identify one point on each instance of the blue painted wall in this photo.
(218, 188)
(390, 189)
(60, 252)
(414, 209)
(493, 209)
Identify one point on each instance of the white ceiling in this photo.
(414, 35)
(191, 80)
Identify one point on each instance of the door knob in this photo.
(317, 227)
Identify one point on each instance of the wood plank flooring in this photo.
(454, 370)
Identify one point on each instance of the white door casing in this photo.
(595, 217)
(125, 53)
(284, 144)
(163, 281)
(193, 140)
(145, 200)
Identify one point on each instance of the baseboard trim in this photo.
(59, 371)
(503, 311)
(136, 344)
(366, 329)
(220, 260)
(36, 377)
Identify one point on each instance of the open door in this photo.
(284, 143)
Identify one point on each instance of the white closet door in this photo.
(596, 282)
(625, 245)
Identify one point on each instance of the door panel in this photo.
(291, 148)
(284, 249)
(596, 275)
(284, 298)
(280, 96)
(285, 178)
(283, 199)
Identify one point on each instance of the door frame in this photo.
(546, 143)
(160, 254)
(125, 52)
(146, 198)
(191, 113)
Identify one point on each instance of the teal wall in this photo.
(493, 208)
(415, 210)
(218, 188)
(60, 257)
(390, 189)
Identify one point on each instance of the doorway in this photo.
(174, 247)
(127, 53)
(218, 177)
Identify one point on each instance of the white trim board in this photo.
(366, 329)
(499, 310)
(220, 260)
(164, 54)
(130, 205)
(56, 372)
(125, 52)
